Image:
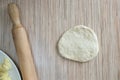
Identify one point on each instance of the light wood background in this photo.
(46, 20)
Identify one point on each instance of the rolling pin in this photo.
(22, 46)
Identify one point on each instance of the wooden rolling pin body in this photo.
(22, 45)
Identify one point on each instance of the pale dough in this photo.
(79, 43)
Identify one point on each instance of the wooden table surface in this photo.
(46, 20)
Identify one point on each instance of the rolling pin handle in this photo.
(14, 14)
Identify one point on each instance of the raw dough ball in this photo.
(79, 43)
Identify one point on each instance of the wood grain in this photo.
(46, 20)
